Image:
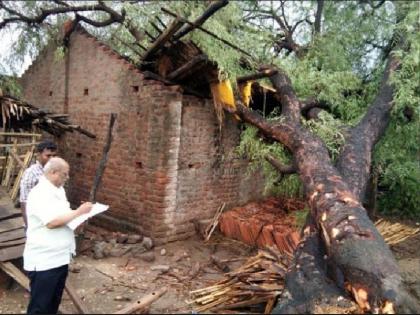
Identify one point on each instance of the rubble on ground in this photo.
(100, 244)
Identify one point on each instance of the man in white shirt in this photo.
(49, 241)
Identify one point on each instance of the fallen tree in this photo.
(362, 262)
(341, 247)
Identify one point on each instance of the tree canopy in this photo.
(333, 52)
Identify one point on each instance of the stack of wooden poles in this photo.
(394, 233)
(255, 284)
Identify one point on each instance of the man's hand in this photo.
(66, 218)
(85, 208)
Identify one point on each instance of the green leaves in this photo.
(329, 130)
(255, 149)
(397, 154)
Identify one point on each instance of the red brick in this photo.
(162, 160)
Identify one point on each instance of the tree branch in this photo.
(290, 103)
(211, 9)
(39, 19)
(350, 238)
(256, 76)
(64, 7)
(282, 168)
(355, 160)
(311, 107)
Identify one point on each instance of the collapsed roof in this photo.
(174, 61)
(19, 115)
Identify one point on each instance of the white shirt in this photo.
(47, 248)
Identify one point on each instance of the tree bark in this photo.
(308, 286)
(355, 160)
(351, 240)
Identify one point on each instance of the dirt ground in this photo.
(109, 284)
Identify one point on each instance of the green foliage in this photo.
(10, 86)
(255, 149)
(300, 217)
(397, 154)
(230, 26)
(342, 66)
(339, 89)
(329, 130)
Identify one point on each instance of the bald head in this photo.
(56, 171)
(55, 164)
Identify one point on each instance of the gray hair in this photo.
(54, 164)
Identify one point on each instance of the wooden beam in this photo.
(59, 115)
(13, 243)
(150, 36)
(83, 131)
(23, 280)
(8, 210)
(10, 253)
(12, 235)
(181, 71)
(16, 185)
(163, 38)
(99, 172)
(15, 273)
(77, 301)
(211, 9)
(9, 145)
(154, 76)
(17, 158)
(161, 22)
(143, 303)
(209, 33)
(156, 28)
(20, 134)
(102, 163)
(256, 76)
(11, 224)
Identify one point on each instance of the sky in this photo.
(6, 41)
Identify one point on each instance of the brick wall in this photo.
(167, 165)
(210, 172)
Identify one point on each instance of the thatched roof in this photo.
(19, 115)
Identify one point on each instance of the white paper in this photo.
(96, 209)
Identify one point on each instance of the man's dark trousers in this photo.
(46, 290)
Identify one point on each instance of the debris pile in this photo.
(394, 233)
(255, 285)
(18, 115)
(101, 244)
(269, 223)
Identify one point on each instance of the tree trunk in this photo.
(355, 160)
(308, 287)
(352, 242)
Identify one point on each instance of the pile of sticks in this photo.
(394, 233)
(256, 284)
